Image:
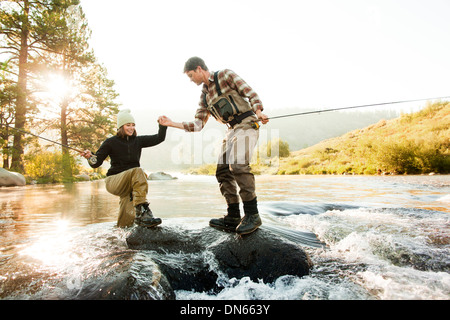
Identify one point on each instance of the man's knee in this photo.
(223, 172)
(240, 168)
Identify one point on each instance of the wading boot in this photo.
(144, 216)
(251, 220)
(230, 221)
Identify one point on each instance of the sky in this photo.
(295, 54)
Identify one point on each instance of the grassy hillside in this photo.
(412, 144)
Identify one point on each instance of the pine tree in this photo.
(44, 39)
(23, 36)
(88, 102)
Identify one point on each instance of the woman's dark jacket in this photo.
(125, 153)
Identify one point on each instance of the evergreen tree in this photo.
(24, 30)
(86, 101)
(44, 39)
(8, 95)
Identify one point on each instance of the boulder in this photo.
(120, 275)
(194, 258)
(178, 255)
(11, 179)
(160, 176)
(261, 255)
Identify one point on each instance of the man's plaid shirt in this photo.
(228, 81)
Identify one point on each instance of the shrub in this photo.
(412, 157)
(47, 167)
(275, 145)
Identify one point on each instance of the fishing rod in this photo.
(93, 158)
(345, 108)
(35, 135)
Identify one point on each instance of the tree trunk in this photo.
(67, 168)
(21, 107)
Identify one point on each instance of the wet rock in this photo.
(121, 275)
(192, 258)
(11, 179)
(261, 255)
(155, 263)
(164, 239)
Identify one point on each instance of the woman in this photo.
(125, 178)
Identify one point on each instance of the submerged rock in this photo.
(195, 258)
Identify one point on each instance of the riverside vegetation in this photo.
(414, 143)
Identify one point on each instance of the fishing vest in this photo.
(228, 108)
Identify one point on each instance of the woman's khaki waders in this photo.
(132, 187)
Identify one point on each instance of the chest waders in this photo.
(230, 108)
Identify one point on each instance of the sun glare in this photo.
(58, 86)
(52, 249)
(61, 225)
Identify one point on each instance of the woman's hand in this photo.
(86, 153)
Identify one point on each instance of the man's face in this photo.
(195, 76)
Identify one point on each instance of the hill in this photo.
(411, 144)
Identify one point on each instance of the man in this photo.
(230, 100)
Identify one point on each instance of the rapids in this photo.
(368, 238)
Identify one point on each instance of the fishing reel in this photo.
(256, 125)
(92, 159)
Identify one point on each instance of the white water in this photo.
(386, 237)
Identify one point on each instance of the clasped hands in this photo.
(165, 121)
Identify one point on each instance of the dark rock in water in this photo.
(164, 239)
(154, 263)
(261, 255)
(121, 275)
(124, 276)
(185, 255)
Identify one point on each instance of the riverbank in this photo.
(292, 169)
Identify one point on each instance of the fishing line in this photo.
(93, 157)
(352, 107)
(35, 135)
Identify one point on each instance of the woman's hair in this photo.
(121, 133)
(193, 63)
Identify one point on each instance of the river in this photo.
(387, 237)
